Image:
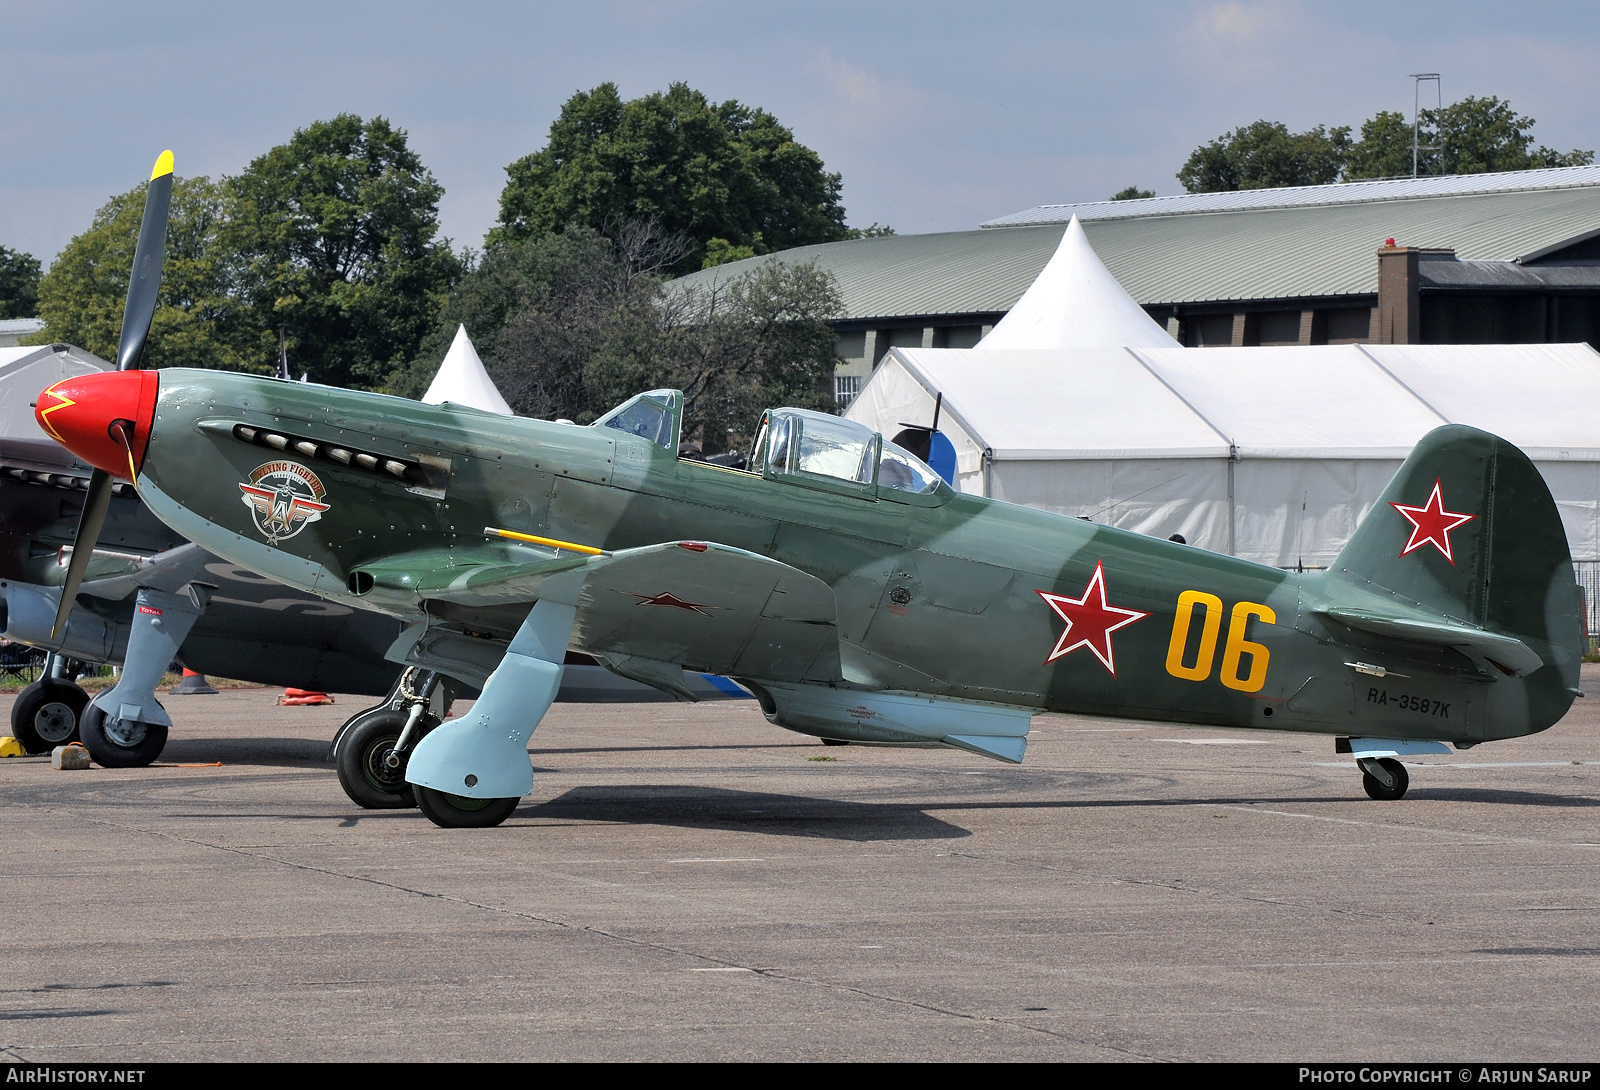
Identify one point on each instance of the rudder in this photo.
(1467, 532)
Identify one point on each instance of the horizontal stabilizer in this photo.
(1505, 651)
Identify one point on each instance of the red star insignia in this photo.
(667, 598)
(1090, 621)
(1431, 524)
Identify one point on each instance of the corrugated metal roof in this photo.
(1309, 250)
(1387, 189)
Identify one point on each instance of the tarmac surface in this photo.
(688, 882)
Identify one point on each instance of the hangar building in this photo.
(1487, 258)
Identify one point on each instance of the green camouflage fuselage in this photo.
(944, 594)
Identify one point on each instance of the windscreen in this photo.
(649, 416)
(899, 469)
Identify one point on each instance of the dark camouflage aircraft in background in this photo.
(838, 578)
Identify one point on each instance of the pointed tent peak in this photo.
(463, 380)
(1075, 302)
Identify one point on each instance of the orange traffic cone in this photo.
(193, 684)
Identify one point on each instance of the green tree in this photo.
(1132, 193)
(703, 170)
(753, 342)
(1384, 150)
(337, 233)
(719, 251)
(1479, 135)
(19, 284)
(571, 324)
(198, 322)
(1265, 154)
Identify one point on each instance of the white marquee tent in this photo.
(24, 372)
(462, 379)
(1272, 454)
(1075, 302)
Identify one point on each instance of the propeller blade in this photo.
(147, 258)
(95, 506)
(137, 313)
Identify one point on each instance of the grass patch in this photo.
(168, 682)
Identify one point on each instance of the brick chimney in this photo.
(1399, 305)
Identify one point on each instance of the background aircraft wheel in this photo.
(120, 743)
(365, 771)
(459, 812)
(1376, 790)
(834, 742)
(46, 714)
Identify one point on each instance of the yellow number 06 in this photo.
(1237, 646)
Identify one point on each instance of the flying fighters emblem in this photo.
(1090, 620)
(1431, 523)
(284, 498)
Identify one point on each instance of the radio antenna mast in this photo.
(1417, 80)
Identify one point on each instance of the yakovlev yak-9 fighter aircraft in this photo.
(854, 592)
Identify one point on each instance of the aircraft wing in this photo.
(694, 604)
(169, 571)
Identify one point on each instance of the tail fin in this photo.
(1468, 547)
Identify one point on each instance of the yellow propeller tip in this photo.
(163, 165)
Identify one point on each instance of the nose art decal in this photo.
(284, 498)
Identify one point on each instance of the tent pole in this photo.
(1233, 460)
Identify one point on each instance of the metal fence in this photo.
(22, 664)
(1588, 572)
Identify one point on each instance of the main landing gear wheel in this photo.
(1377, 789)
(120, 743)
(46, 714)
(459, 812)
(349, 724)
(834, 742)
(370, 771)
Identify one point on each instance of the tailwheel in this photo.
(1384, 778)
(459, 812)
(115, 742)
(371, 772)
(46, 714)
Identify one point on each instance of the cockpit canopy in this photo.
(834, 453)
(797, 445)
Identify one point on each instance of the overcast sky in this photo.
(939, 115)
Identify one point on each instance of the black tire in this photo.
(113, 745)
(834, 742)
(362, 759)
(344, 728)
(457, 812)
(1376, 790)
(46, 714)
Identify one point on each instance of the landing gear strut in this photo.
(481, 760)
(126, 726)
(372, 749)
